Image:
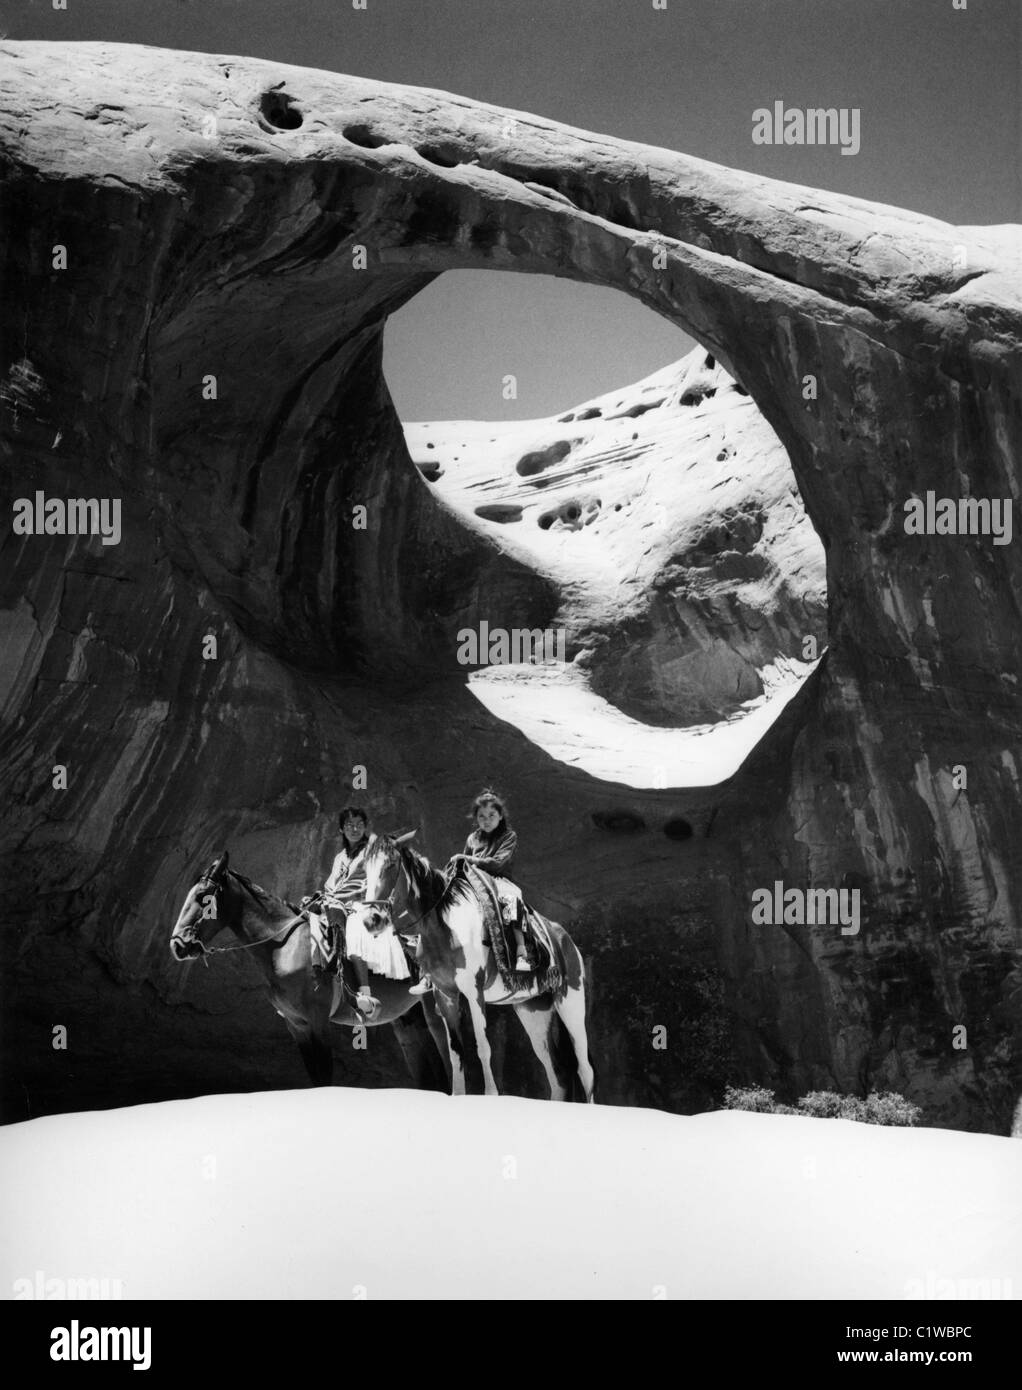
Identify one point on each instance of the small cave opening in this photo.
(678, 829)
(279, 111)
(361, 134)
(443, 156)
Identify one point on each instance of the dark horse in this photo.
(276, 937)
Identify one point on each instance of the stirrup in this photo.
(366, 1003)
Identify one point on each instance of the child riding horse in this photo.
(492, 846)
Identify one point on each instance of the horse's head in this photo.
(199, 918)
(383, 879)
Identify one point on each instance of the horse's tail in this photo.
(578, 1090)
(579, 1087)
(573, 1010)
(596, 1078)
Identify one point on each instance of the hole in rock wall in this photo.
(497, 511)
(278, 110)
(362, 135)
(445, 157)
(666, 516)
(539, 459)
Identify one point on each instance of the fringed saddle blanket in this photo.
(541, 944)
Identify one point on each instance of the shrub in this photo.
(828, 1105)
(879, 1108)
(756, 1098)
(889, 1108)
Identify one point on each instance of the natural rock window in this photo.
(669, 521)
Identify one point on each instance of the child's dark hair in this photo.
(356, 811)
(488, 797)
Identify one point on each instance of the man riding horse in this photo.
(343, 891)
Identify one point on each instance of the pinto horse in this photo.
(277, 938)
(450, 920)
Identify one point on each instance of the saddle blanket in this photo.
(548, 973)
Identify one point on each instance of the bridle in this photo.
(388, 902)
(213, 884)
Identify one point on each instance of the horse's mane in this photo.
(260, 894)
(429, 883)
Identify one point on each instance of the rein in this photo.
(280, 935)
(443, 894)
(288, 928)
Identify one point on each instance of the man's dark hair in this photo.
(356, 811)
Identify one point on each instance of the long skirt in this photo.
(382, 952)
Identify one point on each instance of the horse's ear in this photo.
(408, 835)
(219, 866)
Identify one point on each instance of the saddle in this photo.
(541, 946)
(324, 938)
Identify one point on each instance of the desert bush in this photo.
(828, 1105)
(879, 1108)
(756, 1098)
(750, 1098)
(890, 1108)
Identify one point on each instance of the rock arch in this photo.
(215, 231)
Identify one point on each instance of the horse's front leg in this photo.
(449, 1009)
(423, 1050)
(316, 1054)
(471, 986)
(315, 1049)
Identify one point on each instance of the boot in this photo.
(424, 984)
(522, 965)
(365, 1002)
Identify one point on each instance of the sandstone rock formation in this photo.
(667, 517)
(211, 210)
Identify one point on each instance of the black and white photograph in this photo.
(511, 670)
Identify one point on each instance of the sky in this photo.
(939, 90)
